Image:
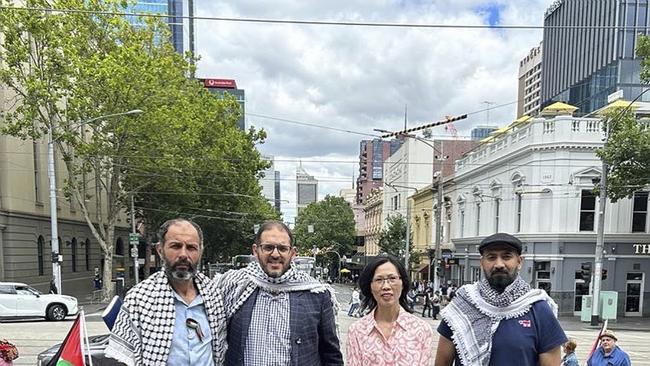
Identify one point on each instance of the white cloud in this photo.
(360, 78)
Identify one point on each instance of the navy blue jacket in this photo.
(313, 330)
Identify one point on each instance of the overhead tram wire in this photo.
(325, 23)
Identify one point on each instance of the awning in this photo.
(424, 268)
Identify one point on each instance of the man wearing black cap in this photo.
(608, 353)
(500, 320)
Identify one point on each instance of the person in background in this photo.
(354, 302)
(569, 349)
(435, 305)
(609, 353)
(389, 334)
(427, 302)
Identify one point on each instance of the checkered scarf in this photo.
(476, 311)
(142, 334)
(238, 285)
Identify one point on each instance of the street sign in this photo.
(452, 261)
(447, 255)
(134, 252)
(134, 239)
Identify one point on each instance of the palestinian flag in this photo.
(71, 351)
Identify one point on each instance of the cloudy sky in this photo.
(351, 79)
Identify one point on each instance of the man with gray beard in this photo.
(176, 316)
(500, 320)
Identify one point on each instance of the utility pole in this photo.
(436, 280)
(408, 234)
(600, 241)
(134, 238)
(56, 257)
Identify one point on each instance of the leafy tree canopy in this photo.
(334, 227)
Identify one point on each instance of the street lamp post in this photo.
(438, 208)
(56, 256)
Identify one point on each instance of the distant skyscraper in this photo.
(582, 67)
(481, 132)
(270, 184)
(529, 86)
(182, 29)
(306, 189)
(372, 154)
(220, 87)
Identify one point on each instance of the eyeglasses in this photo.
(269, 248)
(392, 280)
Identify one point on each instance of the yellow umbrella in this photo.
(345, 270)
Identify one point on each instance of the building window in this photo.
(518, 218)
(461, 219)
(478, 218)
(119, 247)
(87, 254)
(497, 203)
(37, 172)
(587, 210)
(74, 254)
(640, 212)
(40, 247)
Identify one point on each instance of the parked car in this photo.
(18, 300)
(97, 343)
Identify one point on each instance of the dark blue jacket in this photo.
(313, 330)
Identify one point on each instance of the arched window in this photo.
(87, 245)
(40, 247)
(119, 247)
(74, 254)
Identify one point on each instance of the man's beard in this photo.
(500, 279)
(275, 273)
(174, 272)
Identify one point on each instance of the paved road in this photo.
(32, 337)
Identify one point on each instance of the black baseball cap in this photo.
(500, 239)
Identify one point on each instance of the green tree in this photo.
(183, 156)
(392, 238)
(627, 152)
(334, 227)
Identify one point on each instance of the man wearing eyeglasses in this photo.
(276, 314)
(176, 316)
(500, 320)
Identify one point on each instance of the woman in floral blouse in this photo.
(389, 335)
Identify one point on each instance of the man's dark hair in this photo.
(365, 281)
(268, 225)
(164, 228)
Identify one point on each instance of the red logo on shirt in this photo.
(525, 323)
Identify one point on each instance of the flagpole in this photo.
(86, 341)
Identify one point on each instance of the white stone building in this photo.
(535, 179)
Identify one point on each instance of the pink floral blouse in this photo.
(411, 342)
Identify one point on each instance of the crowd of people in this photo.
(269, 313)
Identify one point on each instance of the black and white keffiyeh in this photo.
(476, 311)
(142, 334)
(238, 285)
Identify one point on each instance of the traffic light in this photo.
(585, 269)
(604, 274)
(438, 271)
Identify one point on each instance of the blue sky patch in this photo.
(491, 12)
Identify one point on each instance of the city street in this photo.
(32, 337)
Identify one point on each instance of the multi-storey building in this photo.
(306, 189)
(529, 85)
(373, 221)
(481, 132)
(582, 66)
(270, 183)
(372, 154)
(221, 87)
(179, 18)
(536, 181)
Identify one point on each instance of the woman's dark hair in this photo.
(365, 282)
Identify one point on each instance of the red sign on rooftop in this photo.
(220, 83)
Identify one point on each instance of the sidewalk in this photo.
(633, 324)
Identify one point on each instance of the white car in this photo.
(18, 300)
